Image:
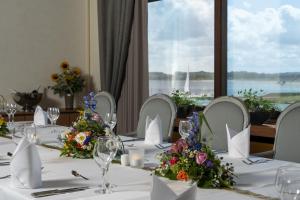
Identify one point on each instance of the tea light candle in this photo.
(136, 158)
(125, 159)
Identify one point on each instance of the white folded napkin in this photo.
(153, 131)
(238, 143)
(160, 190)
(25, 166)
(40, 117)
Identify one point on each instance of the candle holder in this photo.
(136, 157)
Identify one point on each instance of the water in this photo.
(206, 87)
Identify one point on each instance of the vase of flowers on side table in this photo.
(68, 82)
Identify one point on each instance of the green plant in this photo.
(181, 98)
(256, 103)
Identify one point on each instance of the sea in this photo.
(206, 87)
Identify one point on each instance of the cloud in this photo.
(181, 34)
(265, 40)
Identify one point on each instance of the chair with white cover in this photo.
(286, 145)
(105, 103)
(221, 111)
(158, 104)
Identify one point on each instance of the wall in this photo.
(36, 35)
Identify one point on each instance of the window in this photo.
(264, 48)
(181, 46)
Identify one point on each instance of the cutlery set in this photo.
(57, 191)
(253, 162)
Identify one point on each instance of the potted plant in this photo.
(184, 103)
(260, 109)
(67, 83)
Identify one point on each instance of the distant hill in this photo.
(239, 75)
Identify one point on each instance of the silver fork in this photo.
(3, 177)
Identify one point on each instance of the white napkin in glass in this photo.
(40, 117)
(153, 131)
(238, 143)
(25, 166)
(160, 190)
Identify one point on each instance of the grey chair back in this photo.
(287, 139)
(162, 105)
(221, 111)
(105, 103)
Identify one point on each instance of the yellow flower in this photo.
(77, 71)
(64, 65)
(54, 77)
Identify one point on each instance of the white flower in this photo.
(80, 138)
(89, 147)
(107, 131)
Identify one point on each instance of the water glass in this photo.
(53, 114)
(185, 128)
(30, 133)
(104, 152)
(8, 111)
(290, 190)
(286, 174)
(110, 120)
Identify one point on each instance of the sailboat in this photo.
(187, 81)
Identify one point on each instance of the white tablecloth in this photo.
(130, 183)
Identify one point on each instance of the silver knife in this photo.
(57, 191)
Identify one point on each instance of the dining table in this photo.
(254, 180)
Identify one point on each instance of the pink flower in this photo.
(173, 160)
(174, 148)
(201, 158)
(96, 117)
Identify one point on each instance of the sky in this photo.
(263, 35)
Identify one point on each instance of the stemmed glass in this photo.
(185, 128)
(105, 150)
(10, 110)
(30, 133)
(110, 120)
(290, 190)
(286, 174)
(53, 114)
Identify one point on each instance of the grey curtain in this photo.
(136, 85)
(115, 18)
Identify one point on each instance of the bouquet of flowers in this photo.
(69, 81)
(79, 141)
(3, 126)
(190, 160)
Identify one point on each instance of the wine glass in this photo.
(185, 127)
(286, 174)
(30, 133)
(290, 190)
(110, 120)
(105, 150)
(13, 111)
(8, 111)
(53, 114)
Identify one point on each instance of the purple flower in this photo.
(209, 164)
(201, 158)
(87, 140)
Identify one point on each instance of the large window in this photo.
(264, 48)
(181, 46)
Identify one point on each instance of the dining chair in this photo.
(162, 105)
(221, 111)
(105, 103)
(287, 138)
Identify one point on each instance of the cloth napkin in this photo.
(153, 131)
(25, 166)
(40, 117)
(238, 143)
(160, 190)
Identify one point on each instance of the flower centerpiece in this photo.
(80, 139)
(3, 126)
(192, 160)
(68, 82)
